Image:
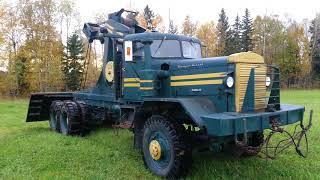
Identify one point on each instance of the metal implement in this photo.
(268, 151)
(172, 100)
(293, 139)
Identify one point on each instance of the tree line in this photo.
(293, 46)
(42, 48)
(288, 44)
(36, 55)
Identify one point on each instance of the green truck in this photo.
(174, 99)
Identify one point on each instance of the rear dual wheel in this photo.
(68, 117)
(54, 115)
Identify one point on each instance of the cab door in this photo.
(133, 64)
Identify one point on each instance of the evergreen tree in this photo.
(234, 42)
(173, 29)
(247, 29)
(150, 20)
(315, 45)
(223, 34)
(72, 63)
(149, 17)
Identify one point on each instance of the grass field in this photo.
(33, 151)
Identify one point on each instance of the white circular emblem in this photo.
(109, 71)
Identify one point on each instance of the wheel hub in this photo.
(155, 149)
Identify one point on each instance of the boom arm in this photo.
(116, 26)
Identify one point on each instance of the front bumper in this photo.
(231, 123)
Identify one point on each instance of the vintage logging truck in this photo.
(174, 99)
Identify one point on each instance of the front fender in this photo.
(195, 108)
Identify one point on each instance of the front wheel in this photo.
(255, 142)
(164, 148)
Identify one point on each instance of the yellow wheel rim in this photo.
(155, 149)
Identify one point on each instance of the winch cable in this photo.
(295, 139)
(86, 64)
(120, 125)
(280, 147)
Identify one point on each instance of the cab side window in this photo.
(138, 51)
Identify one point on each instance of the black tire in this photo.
(70, 118)
(175, 159)
(54, 115)
(256, 139)
(85, 126)
(138, 131)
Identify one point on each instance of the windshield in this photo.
(165, 48)
(191, 49)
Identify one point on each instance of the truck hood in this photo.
(202, 63)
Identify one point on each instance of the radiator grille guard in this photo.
(252, 95)
(273, 91)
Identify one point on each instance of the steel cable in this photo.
(296, 139)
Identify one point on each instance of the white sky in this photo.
(204, 10)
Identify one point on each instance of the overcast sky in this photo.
(205, 10)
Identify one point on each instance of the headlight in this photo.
(268, 81)
(229, 82)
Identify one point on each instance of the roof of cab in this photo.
(148, 36)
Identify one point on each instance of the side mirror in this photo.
(204, 50)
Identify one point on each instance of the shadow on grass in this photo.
(209, 156)
(37, 129)
(44, 129)
(225, 165)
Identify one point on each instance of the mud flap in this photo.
(39, 105)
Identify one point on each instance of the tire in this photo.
(138, 131)
(175, 157)
(256, 141)
(85, 126)
(54, 117)
(70, 118)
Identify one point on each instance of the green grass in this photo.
(33, 151)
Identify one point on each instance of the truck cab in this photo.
(158, 65)
(153, 55)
